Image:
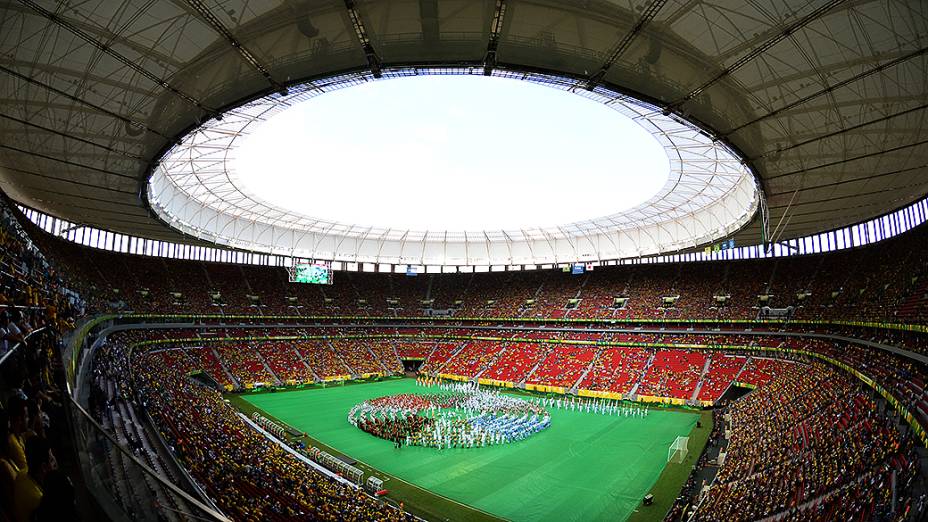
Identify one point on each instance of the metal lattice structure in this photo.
(709, 194)
(825, 100)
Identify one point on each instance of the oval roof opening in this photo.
(451, 153)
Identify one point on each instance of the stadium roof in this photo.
(707, 195)
(826, 100)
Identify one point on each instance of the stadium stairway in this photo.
(338, 357)
(450, 357)
(225, 368)
(429, 355)
(747, 362)
(270, 370)
(734, 379)
(532, 371)
(428, 290)
(302, 360)
(120, 421)
(632, 393)
(490, 363)
(702, 377)
(374, 355)
(589, 368)
(130, 425)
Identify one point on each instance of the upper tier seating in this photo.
(885, 282)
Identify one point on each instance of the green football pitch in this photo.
(585, 466)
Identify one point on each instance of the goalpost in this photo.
(678, 450)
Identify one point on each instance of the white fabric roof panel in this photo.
(708, 194)
(825, 99)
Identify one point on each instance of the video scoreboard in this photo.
(317, 273)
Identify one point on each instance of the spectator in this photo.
(28, 489)
(5, 334)
(8, 469)
(57, 499)
(19, 424)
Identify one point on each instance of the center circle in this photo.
(462, 418)
(450, 153)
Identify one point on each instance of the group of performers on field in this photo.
(601, 406)
(596, 405)
(462, 415)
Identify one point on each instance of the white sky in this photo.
(451, 153)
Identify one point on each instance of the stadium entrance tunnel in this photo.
(492, 171)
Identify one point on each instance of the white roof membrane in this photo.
(708, 193)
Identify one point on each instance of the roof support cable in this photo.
(65, 161)
(764, 217)
(828, 135)
(130, 123)
(759, 50)
(804, 170)
(774, 236)
(869, 72)
(373, 60)
(243, 51)
(622, 45)
(496, 29)
(109, 51)
(70, 137)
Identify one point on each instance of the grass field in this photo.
(584, 467)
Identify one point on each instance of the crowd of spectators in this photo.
(617, 370)
(517, 362)
(884, 282)
(245, 364)
(474, 358)
(33, 435)
(117, 472)
(386, 354)
(235, 365)
(358, 356)
(206, 359)
(810, 443)
(35, 305)
(439, 355)
(285, 362)
(814, 403)
(674, 374)
(680, 373)
(322, 359)
(249, 476)
(723, 370)
(406, 349)
(759, 371)
(563, 366)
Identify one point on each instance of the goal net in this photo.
(678, 450)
